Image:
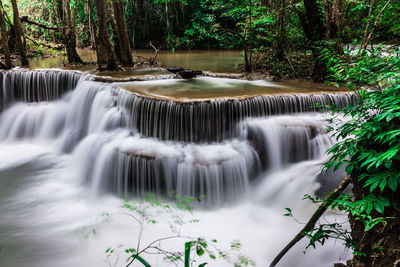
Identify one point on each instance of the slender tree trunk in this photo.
(92, 26)
(371, 7)
(168, 24)
(104, 42)
(19, 34)
(4, 40)
(368, 38)
(125, 49)
(135, 23)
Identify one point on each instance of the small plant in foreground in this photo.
(195, 251)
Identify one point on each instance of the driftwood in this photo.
(152, 60)
(314, 218)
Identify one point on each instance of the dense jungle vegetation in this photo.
(281, 37)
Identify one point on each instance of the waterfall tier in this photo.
(133, 166)
(285, 140)
(35, 86)
(215, 120)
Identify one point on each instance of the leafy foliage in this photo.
(367, 143)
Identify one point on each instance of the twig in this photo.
(151, 245)
(314, 218)
(153, 59)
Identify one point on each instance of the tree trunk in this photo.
(66, 25)
(70, 34)
(19, 34)
(125, 49)
(281, 30)
(104, 42)
(334, 11)
(168, 24)
(320, 25)
(4, 40)
(312, 21)
(115, 36)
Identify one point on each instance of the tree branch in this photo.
(314, 218)
(27, 20)
(152, 60)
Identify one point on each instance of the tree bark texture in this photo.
(322, 21)
(19, 34)
(107, 54)
(124, 47)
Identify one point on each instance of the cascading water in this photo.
(215, 120)
(35, 86)
(63, 152)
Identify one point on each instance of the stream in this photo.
(71, 149)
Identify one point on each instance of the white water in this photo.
(60, 161)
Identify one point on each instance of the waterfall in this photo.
(71, 148)
(35, 86)
(131, 165)
(88, 109)
(215, 120)
(128, 144)
(283, 140)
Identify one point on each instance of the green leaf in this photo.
(143, 261)
(199, 251)
(392, 183)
